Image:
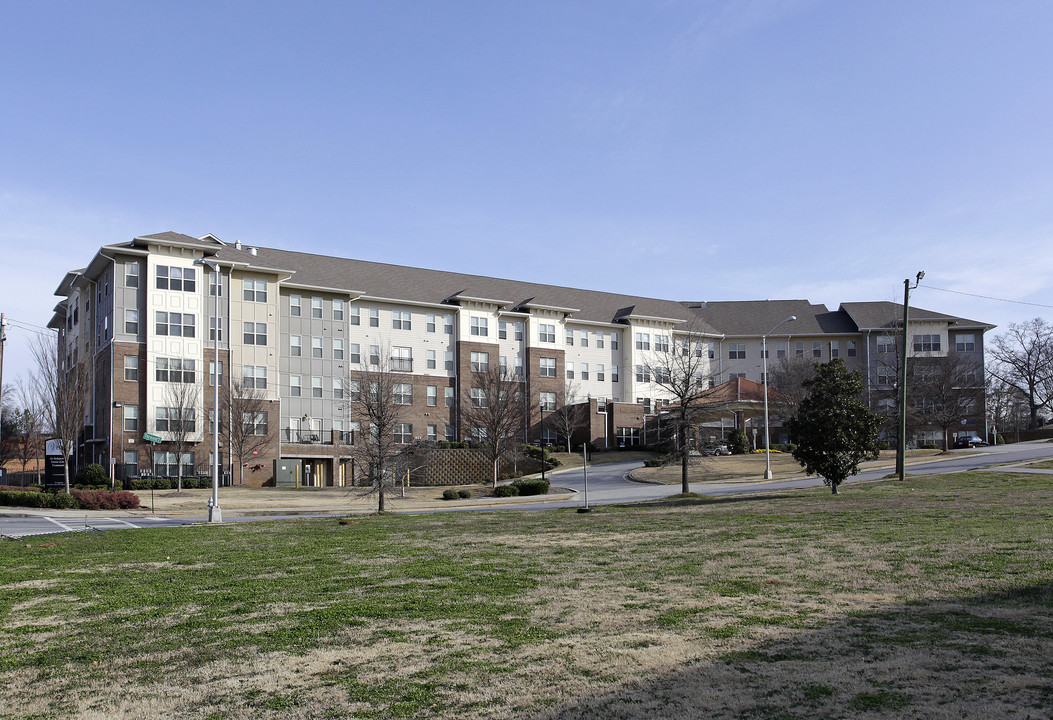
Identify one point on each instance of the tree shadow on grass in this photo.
(986, 656)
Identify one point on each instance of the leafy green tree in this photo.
(833, 429)
(738, 442)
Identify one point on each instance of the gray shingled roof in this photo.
(879, 315)
(759, 317)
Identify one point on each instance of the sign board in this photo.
(151, 438)
(255, 453)
(54, 464)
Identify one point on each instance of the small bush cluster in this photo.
(531, 486)
(104, 500)
(506, 491)
(654, 462)
(16, 488)
(784, 447)
(63, 501)
(93, 475)
(738, 443)
(446, 445)
(449, 494)
(57, 501)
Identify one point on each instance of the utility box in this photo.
(287, 473)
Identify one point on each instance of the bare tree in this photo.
(680, 370)
(1022, 358)
(377, 401)
(569, 418)
(493, 410)
(62, 393)
(249, 428)
(945, 389)
(787, 377)
(182, 400)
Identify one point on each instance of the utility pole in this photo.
(3, 339)
(901, 444)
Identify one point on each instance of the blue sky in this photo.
(685, 150)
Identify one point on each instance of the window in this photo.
(354, 318)
(478, 326)
(685, 348)
(167, 420)
(628, 436)
(176, 370)
(316, 387)
(374, 354)
(584, 371)
(212, 372)
(215, 285)
(548, 367)
(131, 367)
(886, 376)
(599, 339)
(643, 341)
(403, 433)
(661, 343)
(817, 349)
(448, 361)
(401, 320)
(433, 433)
(255, 333)
(601, 405)
(614, 373)
(479, 398)
(643, 373)
(213, 324)
(451, 433)
(254, 423)
(798, 348)
(176, 278)
(517, 371)
(175, 324)
(338, 389)
(518, 331)
(661, 375)
(295, 303)
(429, 359)
(479, 434)
(253, 376)
(447, 324)
(131, 322)
(131, 274)
(926, 343)
(338, 348)
(736, 376)
(546, 333)
(886, 344)
(316, 308)
(646, 402)
(374, 317)
(166, 464)
(254, 290)
(433, 395)
(131, 418)
(835, 349)
(850, 348)
(548, 401)
(502, 330)
(614, 341)
(402, 359)
(601, 374)
(354, 390)
(295, 385)
(316, 347)
(448, 396)
(295, 346)
(480, 362)
(502, 362)
(584, 338)
(737, 351)
(402, 393)
(570, 336)
(338, 309)
(355, 355)
(570, 370)
(965, 343)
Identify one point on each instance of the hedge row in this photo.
(149, 483)
(82, 499)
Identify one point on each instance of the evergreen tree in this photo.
(833, 429)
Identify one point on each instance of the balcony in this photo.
(304, 437)
(399, 364)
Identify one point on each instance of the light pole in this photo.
(215, 514)
(541, 409)
(901, 441)
(764, 361)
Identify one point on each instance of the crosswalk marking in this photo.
(61, 525)
(123, 522)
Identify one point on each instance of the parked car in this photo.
(969, 441)
(717, 450)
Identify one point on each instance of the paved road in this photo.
(607, 484)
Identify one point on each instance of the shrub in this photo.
(20, 498)
(93, 474)
(64, 501)
(784, 447)
(147, 483)
(105, 500)
(449, 494)
(654, 462)
(738, 443)
(464, 494)
(506, 491)
(531, 486)
(16, 488)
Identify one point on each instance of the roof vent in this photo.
(237, 245)
(253, 251)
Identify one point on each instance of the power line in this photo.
(985, 297)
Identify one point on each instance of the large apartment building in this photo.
(294, 329)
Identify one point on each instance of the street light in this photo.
(541, 407)
(215, 514)
(764, 360)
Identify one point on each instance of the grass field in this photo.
(931, 598)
